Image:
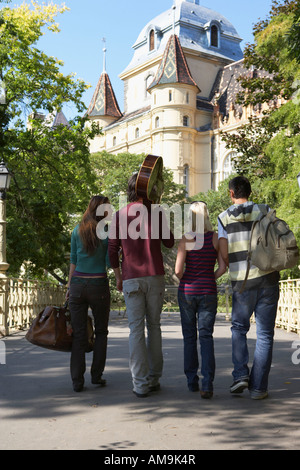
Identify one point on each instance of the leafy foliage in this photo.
(269, 148)
(52, 175)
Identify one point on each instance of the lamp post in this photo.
(298, 178)
(5, 177)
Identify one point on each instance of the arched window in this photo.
(228, 166)
(186, 121)
(151, 40)
(137, 133)
(114, 141)
(187, 96)
(170, 95)
(157, 122)
(186, 172)
(214, 36)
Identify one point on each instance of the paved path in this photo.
(39, 410)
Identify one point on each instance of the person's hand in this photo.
(120, 284)
(67, 294)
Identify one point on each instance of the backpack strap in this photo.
(263, 212)
(249, 255)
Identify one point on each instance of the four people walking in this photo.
(137, 262)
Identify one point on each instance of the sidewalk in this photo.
(39, 410)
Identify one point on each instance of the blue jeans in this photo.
(144, 298)
(198, 311)
(263, 302)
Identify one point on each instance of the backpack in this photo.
(272, 245)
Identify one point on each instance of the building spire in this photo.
(104, 55)
(173, 67)
(174, 8)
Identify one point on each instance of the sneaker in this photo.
(258, 394)
(140, 395)
(239, 386)
(100, 381)
(154, 388)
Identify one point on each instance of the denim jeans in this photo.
(263, 302)
(144, 300)
(85, 293)
(198, 312)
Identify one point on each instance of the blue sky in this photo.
(79, 44)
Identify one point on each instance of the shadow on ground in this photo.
(35, 386)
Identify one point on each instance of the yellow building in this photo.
(179, 92)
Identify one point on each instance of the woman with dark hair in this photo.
(88, 287)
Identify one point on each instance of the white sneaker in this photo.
(258, 394)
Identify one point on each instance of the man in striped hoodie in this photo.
(260, 294)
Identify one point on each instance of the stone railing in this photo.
(22, 299)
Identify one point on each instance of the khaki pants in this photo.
(144, 300)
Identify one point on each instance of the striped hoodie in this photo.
(237, 222)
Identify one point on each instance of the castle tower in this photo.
(168, 89)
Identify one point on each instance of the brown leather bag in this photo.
(49, 330)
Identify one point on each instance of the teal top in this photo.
(95, 264)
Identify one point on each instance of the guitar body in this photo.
(149, 183)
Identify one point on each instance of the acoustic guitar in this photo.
(149, 183)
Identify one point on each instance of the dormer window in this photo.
(214, 36)
(151, 40)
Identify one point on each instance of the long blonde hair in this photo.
(200, 217)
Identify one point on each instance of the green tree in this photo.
(114, 171)
(52, 175)
(269, 148)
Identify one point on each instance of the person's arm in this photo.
(166, 234)
(113, 252)
(180, 260)
(223, 242)
(223, 247)
(119, 280)
(73, 261)
(71, 271)
(222, 268)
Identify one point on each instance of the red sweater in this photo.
(139, 234)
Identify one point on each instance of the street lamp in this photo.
(298, 178)
(5, 177)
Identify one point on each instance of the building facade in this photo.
(179, 94)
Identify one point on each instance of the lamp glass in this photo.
(5, 177)
(3, 181)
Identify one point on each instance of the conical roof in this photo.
(173, 67)
(104, 102)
